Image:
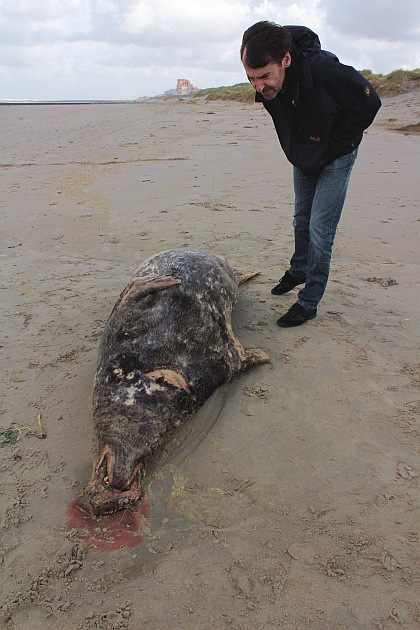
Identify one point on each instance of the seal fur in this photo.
(167, 346)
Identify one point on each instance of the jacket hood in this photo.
(304, 39)
(306, 45)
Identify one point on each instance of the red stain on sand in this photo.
(122, 529)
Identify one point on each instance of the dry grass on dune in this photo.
(242, 92)
(396, 82)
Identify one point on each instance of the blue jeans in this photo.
(319, 200)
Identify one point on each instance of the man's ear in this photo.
(287, 60)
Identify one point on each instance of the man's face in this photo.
(269, 79)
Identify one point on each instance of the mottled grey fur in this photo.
(167, 346)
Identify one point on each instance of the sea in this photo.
(67, 102)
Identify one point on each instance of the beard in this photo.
(270, 93)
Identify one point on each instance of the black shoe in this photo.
(296, 316)
(286, 284)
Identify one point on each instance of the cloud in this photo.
(126, 48)
(379, 34)
(151, 23)
(28, 10)
(383, 20)
(29, 23)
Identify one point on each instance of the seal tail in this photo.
(243, 276)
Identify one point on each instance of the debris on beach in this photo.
(384, 282)
(13, 433)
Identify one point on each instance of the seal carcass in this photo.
(167, 346)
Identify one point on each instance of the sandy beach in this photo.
(291, 500)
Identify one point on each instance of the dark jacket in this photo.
(324, 106)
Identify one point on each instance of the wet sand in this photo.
(292, 499)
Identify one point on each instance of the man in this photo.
(320, 109)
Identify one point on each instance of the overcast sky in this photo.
(123, 49)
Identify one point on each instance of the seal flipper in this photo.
(140, 286)
(168, 376)
(247, 358)
(243, 276)
(253, 357)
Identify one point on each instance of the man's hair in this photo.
(265, 42)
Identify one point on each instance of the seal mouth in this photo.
(105, 497)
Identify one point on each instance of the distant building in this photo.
(183, 86)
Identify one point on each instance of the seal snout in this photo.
(113, 488)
